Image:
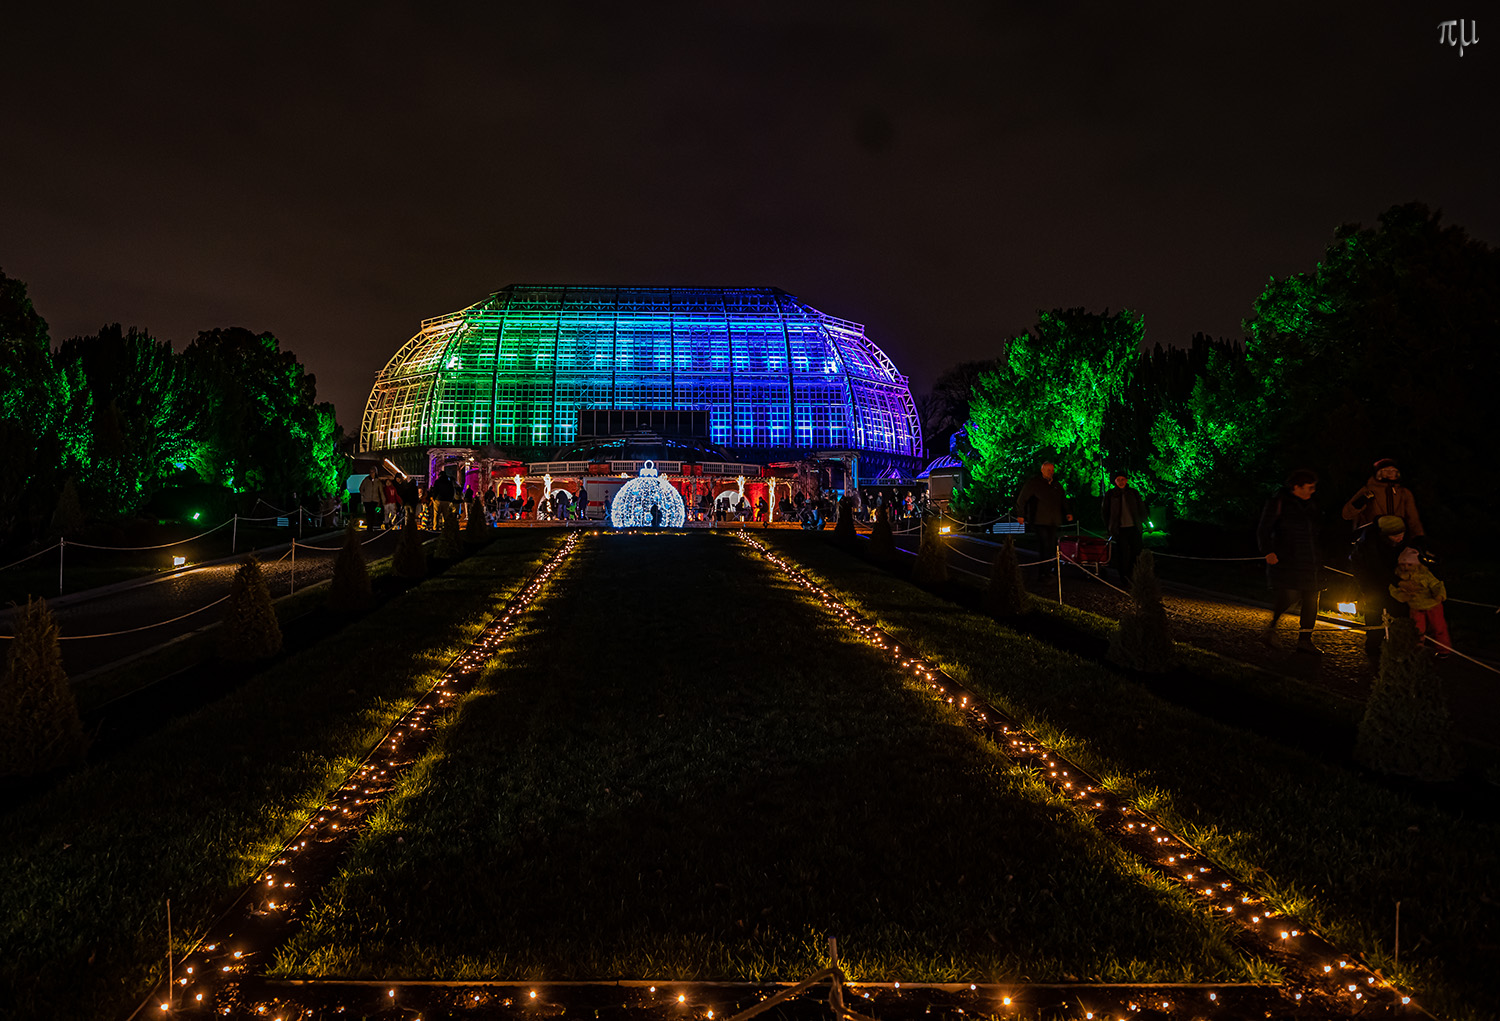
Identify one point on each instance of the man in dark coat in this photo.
(1373, 564)
(1124, 513)
(1043, 506)
(1288, 537)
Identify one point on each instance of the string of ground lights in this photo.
(1316, 970)
(241, 940)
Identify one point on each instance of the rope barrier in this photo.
(975, 524)
(1091, 574)
(335, 549)
(133, 630)
(1465, 655)
(33, 556)
(1179, 556)
(165, 545)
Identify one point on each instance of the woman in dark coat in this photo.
(1288, 537)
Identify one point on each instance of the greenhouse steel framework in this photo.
(776, 376)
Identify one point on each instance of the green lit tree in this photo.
(1403, 315)
(145, 414)
(39, 725)
(1047, 400)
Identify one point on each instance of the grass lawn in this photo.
(193, 812)
(1328, 843)
(681, 767)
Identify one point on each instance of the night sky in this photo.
(334, 173)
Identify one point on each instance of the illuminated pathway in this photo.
(222, 976)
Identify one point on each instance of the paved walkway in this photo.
(186, 599)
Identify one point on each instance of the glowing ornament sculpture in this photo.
(632, 504)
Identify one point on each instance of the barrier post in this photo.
(61, 543)
(294, 568)
(234, 534)
(169, 950)
(301, 511)
(1057, 563)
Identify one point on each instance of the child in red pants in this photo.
(1424, 594)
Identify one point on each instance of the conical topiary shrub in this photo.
(843, 532)
(1406, 730)
(410, 559)
(350, 588)
(250, 629)
(1007, 595)
(39, 725)
(67, 518)
(931, 567)
(1142, 641)
(882, 542)
(475, 529)
(449, 545)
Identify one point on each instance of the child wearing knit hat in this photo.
(1424, 594)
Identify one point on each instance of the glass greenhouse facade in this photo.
(774, 376)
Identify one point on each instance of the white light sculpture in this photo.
(632, 504)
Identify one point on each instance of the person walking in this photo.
(1419, 589)
(1044, 506)
(1373, 563)
(1288, 537)
(1383, 494)
(1124, 513)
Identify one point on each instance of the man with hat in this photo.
(1124, 512)
(1384, 495)
(1376, 552)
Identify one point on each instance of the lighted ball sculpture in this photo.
(632, 504)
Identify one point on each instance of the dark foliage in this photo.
(931, 567)
(410, 559)
(1006, 595)
(250, 629)
(350, 587)
(1406, 730)
(1143, 641)
(39, 725)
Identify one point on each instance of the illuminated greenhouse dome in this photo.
(536, 370)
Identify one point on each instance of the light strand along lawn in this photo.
(1330, 845)
(195, 810)
(681, 767)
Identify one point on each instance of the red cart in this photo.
(1085, 550)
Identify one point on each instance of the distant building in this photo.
(568, 374)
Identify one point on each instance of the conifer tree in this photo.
(1007, 595)
(1142, 641)
(882, 542)
(931, 567)
(250, 629)
(843, 532)
(350, 587)
(410, 559)
(68, 517)
(475, 531)
(1406, 730)
(39, 725)
(449, 545)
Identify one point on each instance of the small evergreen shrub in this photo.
(39, 725)
(475, 529)
(67, 518)
(449, 545)
(882, 542)
(1007, 595)
(1406, 730)
(250, 630)
(843, 532)
(350, 587)
(1142, 641)
(410, 558)
(931, 567)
